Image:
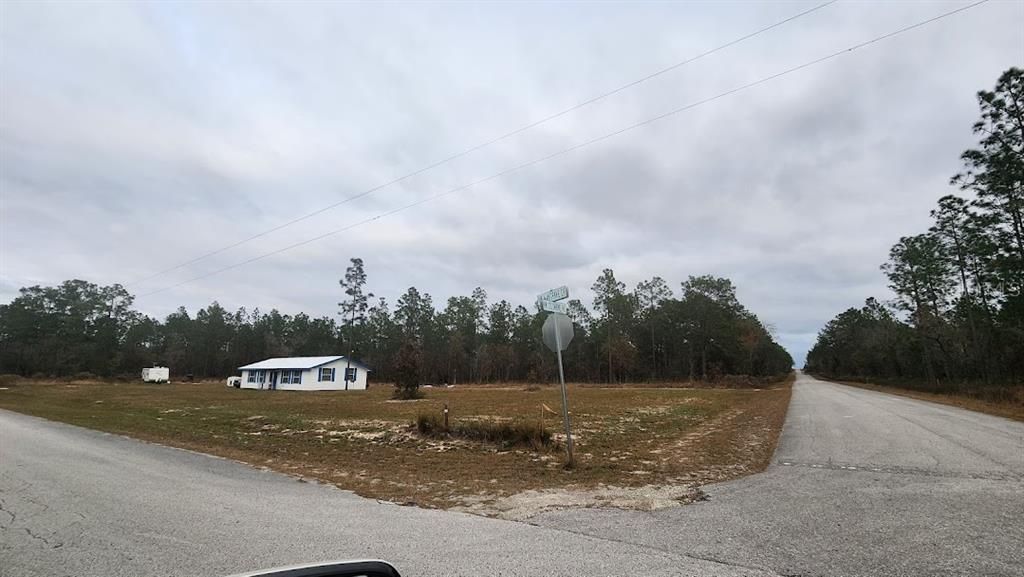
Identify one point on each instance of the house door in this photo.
(273, 380)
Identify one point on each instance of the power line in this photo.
(577, 146)
(485, 144)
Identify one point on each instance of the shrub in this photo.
(739, 382)
(407, 371)
(506, 433)
(509, 433)
(84, 376)
(9, 379)
(429, 425)
(407, 393)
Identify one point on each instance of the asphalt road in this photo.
(863, 484)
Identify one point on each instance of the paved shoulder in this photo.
(863, 483)
(78, 502)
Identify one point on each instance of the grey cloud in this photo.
(137, 136)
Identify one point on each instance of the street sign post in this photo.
(556, 294)
(558, 333)
(554, 306)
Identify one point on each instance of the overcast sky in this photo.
(134, 137)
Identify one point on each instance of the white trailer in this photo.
(156, 374)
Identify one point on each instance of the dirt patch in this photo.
(522, 506)
(653, 410)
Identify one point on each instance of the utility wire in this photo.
(577, 146)
(485, 144)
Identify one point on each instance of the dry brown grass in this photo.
(366, 442)
(1012, 408)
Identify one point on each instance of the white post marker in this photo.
(558, 333)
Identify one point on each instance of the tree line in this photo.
(644, 334)
(958, 315)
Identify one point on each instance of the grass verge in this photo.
(1011, 408)
(364, 441)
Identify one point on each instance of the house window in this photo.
(252, 376)
(291, 377)
(326, 374)
(350, 374)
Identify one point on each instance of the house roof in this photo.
(297, 363)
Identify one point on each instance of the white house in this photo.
(305, 374)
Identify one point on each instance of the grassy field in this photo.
(1011, 406)
(628, 440)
